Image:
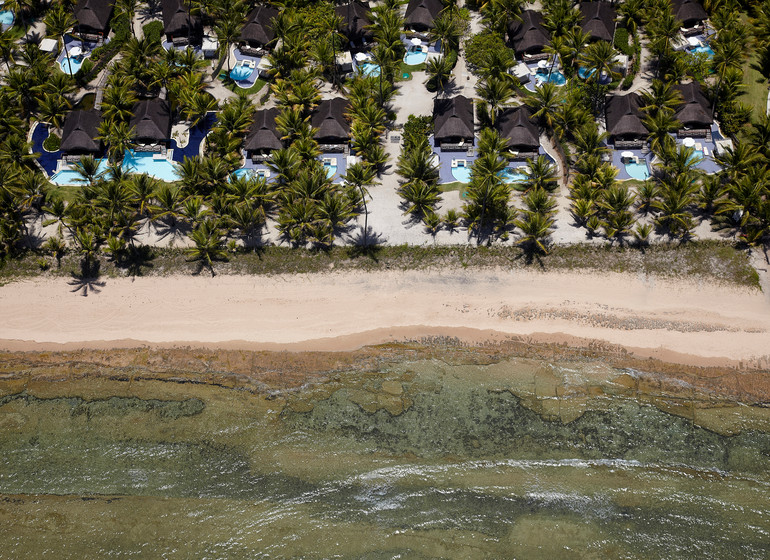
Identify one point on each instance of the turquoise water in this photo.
(696, 155)
(369, 69)
(143, 162)
(586, 72)
(6, 17)
(511, 175)
(703, 49)
(408, 459)
(74, 64)
(243, 172)
(140, 163)
(556, 77)
(462, 173)
(638, 171)
(331, 170)
(415, 56)
(240, 73)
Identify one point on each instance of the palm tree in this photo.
(127, 8)
(541, 174)
(728, 55)
(7, 48)
(88, 170)
(358, 176)
(439, 72)
(536, 228)
(58, 21)
(420, 197)
(496, 93)
(87, 243)
(118, 137)
(447, 31)
(487, 195)
(228, 30)
(209, 245)
(659, 125)
(545, 103)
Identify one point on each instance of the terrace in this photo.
(78, 50)
(418, 50)
(539, 72)
(248, 68)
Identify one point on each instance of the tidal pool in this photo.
(418, 459)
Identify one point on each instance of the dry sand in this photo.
(675, 321)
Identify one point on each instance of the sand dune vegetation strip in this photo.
(341, 311)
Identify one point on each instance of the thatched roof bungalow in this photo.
(453, 121)
(330, 122)
(420, 14)
(598, 20)
(516, 125)
(689, 12)
(258, 30)
(624, 118)
(695, 110)
(151, 121)
(356, 17)
(178, 24)
(80, 131)
(263, 136)
(93, 17)
(528, 36)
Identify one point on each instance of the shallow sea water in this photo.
(418, 460)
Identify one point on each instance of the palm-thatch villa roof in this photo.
(263, 136)
(453, 120)
(528, 36)
(515, 125)
(80, 131)
(93, 16)
(258, 30)
(420, 14)
(177, 21)
(624, 118)
(151, 121)
(329, 119)
(355, 20)
(689, 12)
(695, 111)
(598, 20)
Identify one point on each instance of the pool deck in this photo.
(197, 135)
(342, 165)
(618, 163)
(254, 76)
(70, 42)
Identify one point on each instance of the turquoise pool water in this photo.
(415, 56)
(69, 177)
(74, 65)
(703, 49)
(638, 171)
(512, 175)
(331, 170)
(586, 72)
(369, 69)
(696, 155)
(6, 17)
(143, 162)
(556, 77)
(243, 173)
(240, 73)
(462, 173)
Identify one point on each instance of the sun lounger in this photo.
(705, 151)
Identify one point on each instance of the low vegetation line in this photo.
(704, 260)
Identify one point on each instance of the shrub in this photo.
(621, 41)
(153, 31)
(481, 48)
(416, 127)
(627, 81)
(52, 143)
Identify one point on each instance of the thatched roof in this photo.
(453, 118)
(263, 134)
(151, 120)
(329, 119)
(528, 35)
(94, 14)
(177, 20)
(80, 131)
(689, 12)
(355, 17)
(516, 125)
(695, 111)
(421, 13)
(258, 28)
(624, 119)
(598, 20)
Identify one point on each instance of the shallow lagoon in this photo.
(420, 458)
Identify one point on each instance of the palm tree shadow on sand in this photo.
(87, 281)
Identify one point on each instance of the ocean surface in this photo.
(419, 459)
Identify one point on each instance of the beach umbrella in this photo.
(75, 51)
(688, 142)
(542, 63)
(416, 41)
(360, 57)
(627, 154)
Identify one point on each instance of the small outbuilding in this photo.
(420, 14)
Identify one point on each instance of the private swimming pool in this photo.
(556, 77)
(146, 162)
(513, 175)
(369, 69)
(240, 73)
(6, 17)
(415, 56)
(69, 177)
(703, 49)
(637, 170)
(72, 66)
(462, 172)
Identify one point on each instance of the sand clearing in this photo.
(680, 321)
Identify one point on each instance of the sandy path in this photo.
(707, 322)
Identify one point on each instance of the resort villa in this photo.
(691, 14)
(598, 20)
(181, 28)
(623, 118)
(79, 135)
(93, 19)
(516, 125)
(152, 125)
(258, 33)
(263, 136)
(420, 14)
(356, 19)
(695, 111)
(527, 36)
(453, 123)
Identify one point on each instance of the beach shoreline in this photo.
(688, 322)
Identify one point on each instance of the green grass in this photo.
(231, 85)
(756, 86)
(704, 260)
(405, 68)
(66, 193)
(456, 186)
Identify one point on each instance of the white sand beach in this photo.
(699, 323)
